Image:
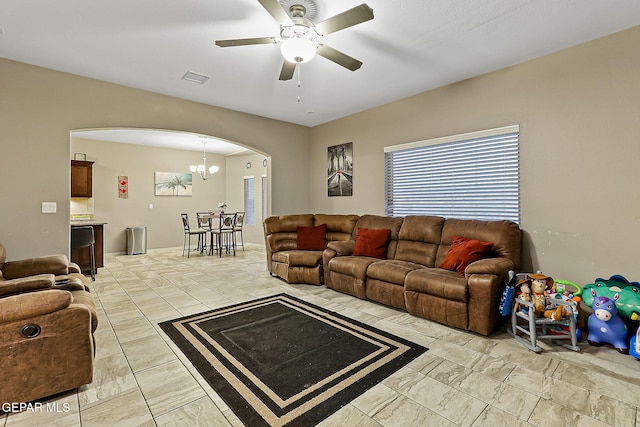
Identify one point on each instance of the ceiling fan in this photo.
(301, 39)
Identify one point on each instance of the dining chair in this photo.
(83, 237)
(225, 233)
(187, 236)
(238, 227)
(204, 223)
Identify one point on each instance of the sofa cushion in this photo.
(463, 252)
(49, 264)
(351, 266)
(376, 222)
(312, 238)
(29, 283)
(437, 282)
(419, 239)
(505, 235)
(391, 271)
(298, 258)
(339, 227)
(372, 243)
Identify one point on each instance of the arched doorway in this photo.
(139, 154)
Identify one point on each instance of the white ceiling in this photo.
(410, 46)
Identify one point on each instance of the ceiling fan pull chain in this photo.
(299, 67)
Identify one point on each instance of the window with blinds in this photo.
(265, 200)
(249, 200)
(470, 176)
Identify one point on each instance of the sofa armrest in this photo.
(74, 268)
(496, 266)
(53, 264)
(342, 247)
(31, 283)
(31, 304)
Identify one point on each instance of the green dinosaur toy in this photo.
(628, 302)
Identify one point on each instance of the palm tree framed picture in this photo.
(173, 184)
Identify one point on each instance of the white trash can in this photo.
(136, 240)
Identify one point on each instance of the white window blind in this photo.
(469, 176)
(249, 200)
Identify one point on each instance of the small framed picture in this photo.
(80, 156)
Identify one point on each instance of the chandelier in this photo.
(202, 169)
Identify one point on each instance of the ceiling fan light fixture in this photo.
(298, 50)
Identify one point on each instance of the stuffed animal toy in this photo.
(605, 326)
(539, 285)
(628, 294)
(523, 293)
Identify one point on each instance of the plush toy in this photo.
(524, 293)
(628, 294)
(540, 285)
(605, 326)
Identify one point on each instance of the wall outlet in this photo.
(150, 205)
(49, 207)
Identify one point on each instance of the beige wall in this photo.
(39, 108)
(578, 113)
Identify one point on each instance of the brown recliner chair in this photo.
(47, 320)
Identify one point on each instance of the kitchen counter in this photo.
(83, 222)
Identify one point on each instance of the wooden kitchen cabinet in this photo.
(81, 178)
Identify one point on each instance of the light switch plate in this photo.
(49, 207)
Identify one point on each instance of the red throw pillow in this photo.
(312, 238)
(372, 243)
(463, 252)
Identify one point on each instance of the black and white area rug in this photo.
(282, 361)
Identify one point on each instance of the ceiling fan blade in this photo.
(287, 70)
(275, 10)
(245, 42)
(345, 19)
(338, 57)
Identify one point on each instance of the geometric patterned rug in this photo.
(281, 361)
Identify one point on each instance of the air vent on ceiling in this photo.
(195, 77)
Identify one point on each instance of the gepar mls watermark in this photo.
(35, 407)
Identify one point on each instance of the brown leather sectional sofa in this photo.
(47, 321)
(408, 278)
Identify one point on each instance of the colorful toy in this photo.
(541, 313)
(541, 287)
(524, 293)
(605, 326)
(628, 301)
(508, 295)
(634, 345)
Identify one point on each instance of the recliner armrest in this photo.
(342, 247)
(74, 268)
(51, 264)
(31, 304)
(497, 266)
(24, 284)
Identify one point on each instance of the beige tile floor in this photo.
(142, 379)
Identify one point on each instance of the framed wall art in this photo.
(123, 186)
(340, 170)
(173, 184)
